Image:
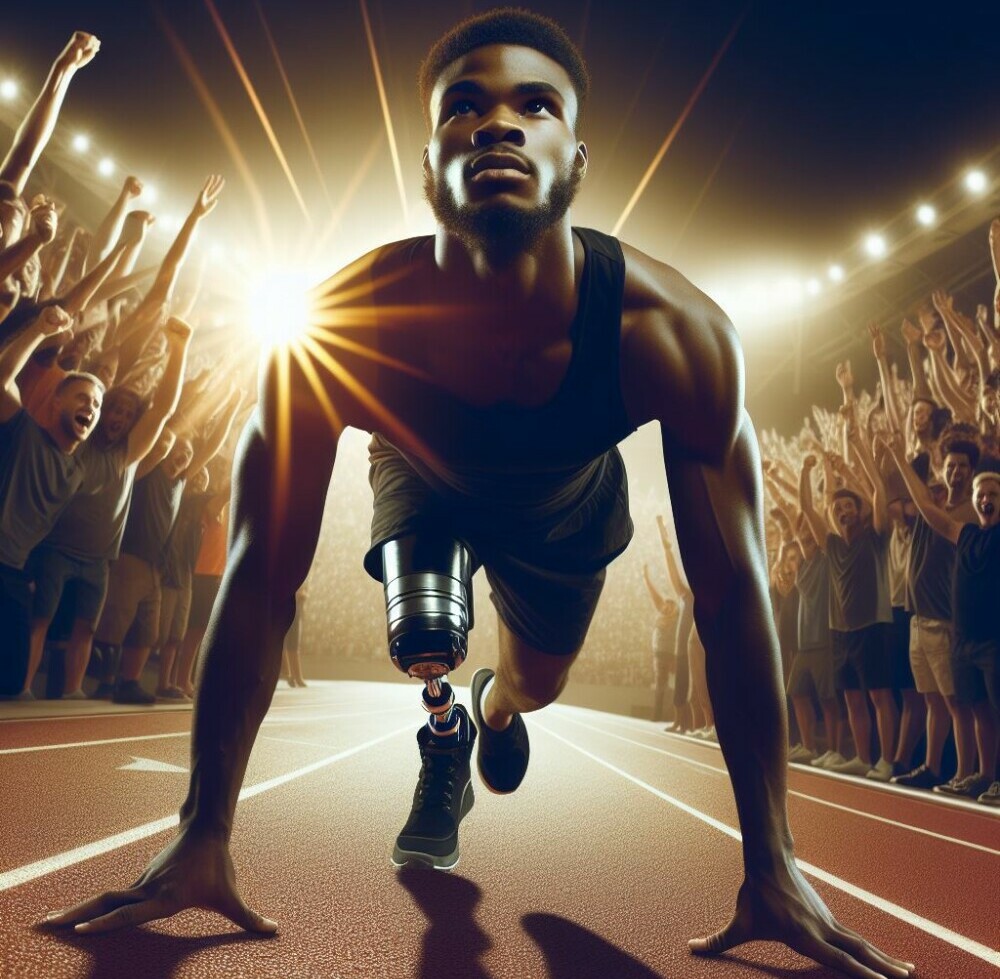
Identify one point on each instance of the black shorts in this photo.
(53, 571)
(902, 672)
(976, 666)
(862, 660)
(812, 672)
(546, 574)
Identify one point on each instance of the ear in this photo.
(581, 159)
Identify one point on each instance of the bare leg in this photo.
(965, 736)
(133, 660)
(527, 679)
(39, 629)
(911, 723)
(806, 720)
(81, 642)
(831, 721)
(168, 655)
(295, 667)
(887, 719)
(986, 737)
(860, 722)
(938, 726)
(189, 652)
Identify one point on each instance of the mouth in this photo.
(499, 166)
(83, 420)
(987, 509)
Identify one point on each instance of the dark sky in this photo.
(836, 115)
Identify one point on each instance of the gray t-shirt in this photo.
(37, 481)
(813, 582)
(859, 580)
(92, 525)
(931, 567)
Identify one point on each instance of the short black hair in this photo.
(504, 25)
(842, 493)
(962, 447)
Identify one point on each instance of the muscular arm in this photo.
(937, 519)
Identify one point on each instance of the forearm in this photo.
(108, 231)
(80, 296)
(947, 385)
(13, 259)
(14, 355)
(172, 261)
(889, 395)
(921, 387)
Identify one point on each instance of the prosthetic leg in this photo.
(428, 595)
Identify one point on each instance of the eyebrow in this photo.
(469, 87)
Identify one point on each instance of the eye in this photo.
(461, 107)
(535, 106)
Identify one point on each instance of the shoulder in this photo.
(356, 283)
(681, 359)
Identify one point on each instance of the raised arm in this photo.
(147, 430)
(209, 449)
(677, 581)
(156, 455)
(34, 132)
(880, 350)
(937, 519)
(659, 602)
(41, 232)
(51, 322)
(880, 512)
(914, 346)
(111, 225)
(953, 397)
(816, 523)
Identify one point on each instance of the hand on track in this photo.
(191, 872)
(784, 908)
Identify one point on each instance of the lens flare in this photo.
(279, 307)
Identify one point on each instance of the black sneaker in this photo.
(920, 778)
(971, 786)
(104, 691)
(442, 798)
(131, 692)
(503, 755)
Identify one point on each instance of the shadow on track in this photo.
(126, 954)
(573, 952)
(454, 943)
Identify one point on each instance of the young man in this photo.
(514, 353)
(41, 469)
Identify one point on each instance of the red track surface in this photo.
(594, 868)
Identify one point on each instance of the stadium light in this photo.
(81, 143)
(975, 181)
(875, 245)
(926, 215)
(835, 273)
(814, 287)
(279, 308)
(8, 89)
(106, 167)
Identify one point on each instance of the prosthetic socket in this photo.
(428, 600)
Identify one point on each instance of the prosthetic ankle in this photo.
(428, 598)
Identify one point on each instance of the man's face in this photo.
(987, 502)
(503, 163)
(78, 409)
(990, 404)
(119, 415)
(845, 513)
(179, 458)
(922, 412)
(957, 471)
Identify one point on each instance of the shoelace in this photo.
(437, 781)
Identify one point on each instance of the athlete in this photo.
(511, 353)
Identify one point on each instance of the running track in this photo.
(619, 846)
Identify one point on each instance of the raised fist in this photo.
(809, 463)
(135, 226)
(177, 330)
(80, 50)
(912, 335)
(133, 186)
(52, 321)
(934, 339)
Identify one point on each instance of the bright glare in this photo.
(875, 246)
(106, 167)
(975, 181)
(81, 143)
(279, 310)
(169, 222)
(149, 193)
(788, 291)
(8, 89)
(926, 215)
(836, 273)
(216, 253)
(814, 287)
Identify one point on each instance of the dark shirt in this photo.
(813, 582)
(155, 502)
(932, 566)
(37, 481)
(92, 525)
(977, 585)
(184, 542)
(859, 580)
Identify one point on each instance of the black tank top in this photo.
(532, 458)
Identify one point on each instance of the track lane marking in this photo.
(797, 794)
(275, 722)
(60, 861)
(953, 938)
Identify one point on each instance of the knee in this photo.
(531, 691)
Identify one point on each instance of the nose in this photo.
(498, 126)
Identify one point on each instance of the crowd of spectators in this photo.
(885, 571)
(116, 446)
(113, 491)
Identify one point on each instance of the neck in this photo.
(956, 497)
(68, 443)
(516, 276)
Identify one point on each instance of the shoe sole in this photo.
(432, 861)
(475, 694)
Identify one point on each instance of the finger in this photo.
(93, 908)
(835, 958)
(127, 917)
(852, 942)
(237, 911)
(735, 933)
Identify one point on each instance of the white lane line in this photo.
(980, 951)
(271, 722)
(796, 793)
(49, 865)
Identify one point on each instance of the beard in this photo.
(501, 230)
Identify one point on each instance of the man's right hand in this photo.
(911, 334)
(52, 321)
(80, 50)
(136, 224)
(193, 871)
(178, 332)
(133, 187)
(809, 463)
